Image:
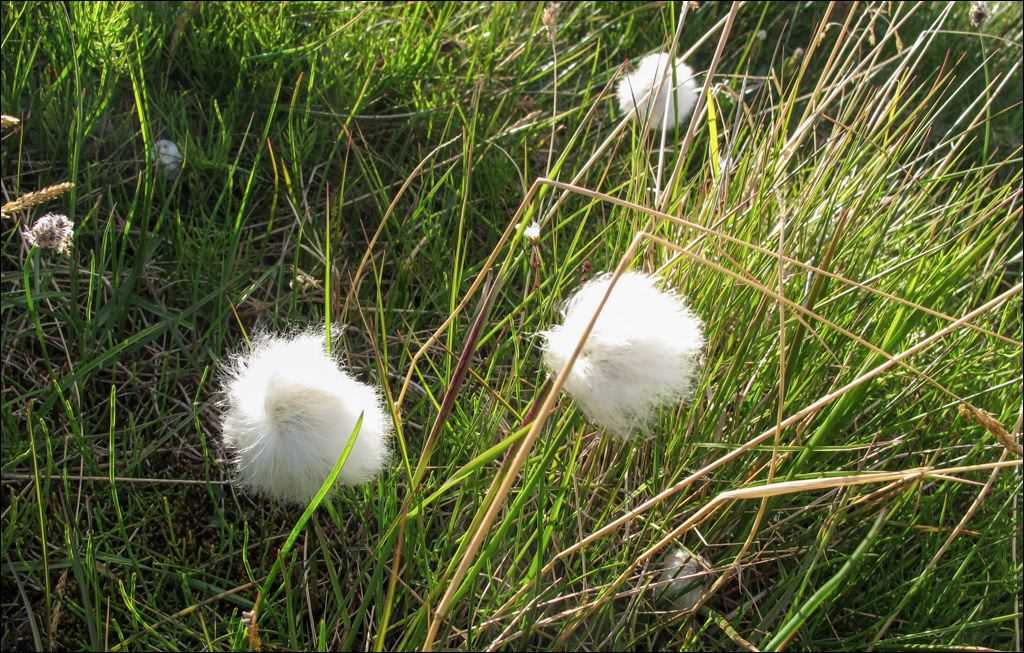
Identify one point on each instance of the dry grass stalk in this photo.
(550, 19)
(360, 269)
(57, 612)
(992, 425)
(184, 612)
(520, 458)
(28, 200)
(960, 528)
(771, 490)
(252, 628)
(716, 233)
(548, 404)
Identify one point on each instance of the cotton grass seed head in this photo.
(289, 409)
(676, 97)
(52, 231)
(641, 354)
(168, 157)
(532, 232)
(683, 576)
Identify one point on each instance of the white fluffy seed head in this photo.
(644, 86)
(641, 354)
(288, 412)
(532, 232)
(168, 157)
(683, 576)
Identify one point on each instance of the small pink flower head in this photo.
(52, 231)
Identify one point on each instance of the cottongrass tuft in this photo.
(168, 157)
(52, 231)
(532, 232)
(289, 409)
(683, 578)
(644, 85)
(641, 354)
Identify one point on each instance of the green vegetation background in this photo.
(289, 112)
